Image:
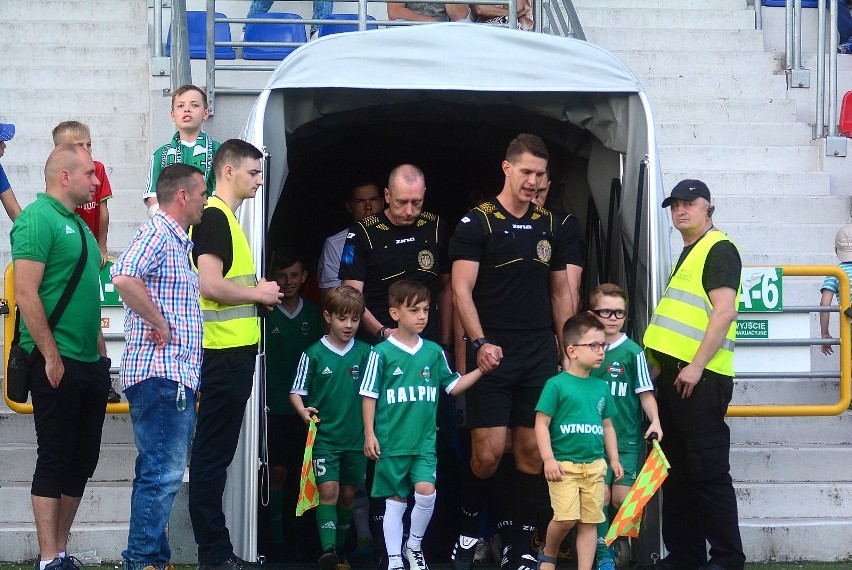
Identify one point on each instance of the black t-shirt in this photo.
(572, 235)
(515, 256)
(378, 253)
(213, 235)
(723, 267)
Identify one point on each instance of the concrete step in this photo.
(657, 4)
(72, 100)
(704, 133)
(644, 62)
(101, 503)
(753, 181)
(775, 464)
(794, 500)
(62, 10)
(756, 392)
(786, 258)
(763, 208)
(796, 539)
(128, 151)
(19, 429)
(689, 85)
(662, 39)
(808, 430)
(75, 77)
(108, 540)
(636, 17)
(134, 125)
(794, 237)
(740, 157)
(72, 30)
(120, 176)
(22, 52)
(116, 463)
(716, 109)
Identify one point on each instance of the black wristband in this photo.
(381, 333)
(477, 344)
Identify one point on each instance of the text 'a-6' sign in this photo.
(761, 290)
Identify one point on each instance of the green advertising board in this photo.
(761, 290)
(109, 296)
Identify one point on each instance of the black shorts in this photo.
(286, 435)
(508, 396)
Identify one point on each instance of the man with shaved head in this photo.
(70, 372)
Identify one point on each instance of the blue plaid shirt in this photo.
(159, 255)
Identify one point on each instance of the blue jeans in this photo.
(322, 9)
(162, 429)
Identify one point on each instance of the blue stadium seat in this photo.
(782, 3)
(273, 33)
(328, 29)
(196, 24)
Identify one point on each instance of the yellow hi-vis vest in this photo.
(681, 318)
(231, 326)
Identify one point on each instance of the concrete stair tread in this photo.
(97, 33)
(626, 16)
(732, 182)
(666, 39)
(652, 4)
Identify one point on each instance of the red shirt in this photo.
(91, 211)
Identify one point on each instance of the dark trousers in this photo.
(699, 502)
(69, 420)
(226, 382)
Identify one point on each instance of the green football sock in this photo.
(344, 520)
(602, 550)
(327, 525)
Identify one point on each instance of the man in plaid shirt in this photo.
(162, 357)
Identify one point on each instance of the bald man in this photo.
(70, 373)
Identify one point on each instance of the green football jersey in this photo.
(405, 383)
(626, 370)
(287, 336)
(199, 155)
(577, 407)
(328, 379)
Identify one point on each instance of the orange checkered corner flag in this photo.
(308, 492)
(652, 475)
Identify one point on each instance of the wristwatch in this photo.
(477, 344)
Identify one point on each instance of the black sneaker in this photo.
(342, 562)
(464, 551)
(71, 563)
(113, 397)
(506, 559)
(527, 562)
(328, 560)
(55, 564)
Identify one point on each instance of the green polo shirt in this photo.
(48, 233)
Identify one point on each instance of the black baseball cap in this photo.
(688, 190)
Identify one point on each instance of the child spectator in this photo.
(293, 326)
(573, 429)
(327, 380)
(189, 145)
(831, 286)
(626, 371)
(94, 213)
(7, 195)
(400, 390)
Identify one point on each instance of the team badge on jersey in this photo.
(544, 250)
(615, 369)
(426, 373)
(305, 328)
(355, 372)
(425, 259)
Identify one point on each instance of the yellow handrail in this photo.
(9, 333)
(844, 353)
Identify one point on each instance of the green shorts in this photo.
(346, 467)
(396, 476)
(630, 462)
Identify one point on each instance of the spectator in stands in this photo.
(831, 287)
(189, 145)
(426, 12)
(7, 195)
(844, 27)
(322, 10)
(491, 14)
(364, 200)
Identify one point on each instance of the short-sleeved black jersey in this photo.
(572, 235)
(379, 253)
(515, 256)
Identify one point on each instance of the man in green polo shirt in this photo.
(70, 378)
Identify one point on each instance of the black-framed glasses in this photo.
(595, 346)
(609, 313)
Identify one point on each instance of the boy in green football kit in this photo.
(573, 429)
(326, 386)
(400, 389)
(626, 371)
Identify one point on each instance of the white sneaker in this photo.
(482, 553)
(415, 558)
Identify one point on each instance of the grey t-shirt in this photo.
(437, 11)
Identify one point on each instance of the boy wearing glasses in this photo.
(626, 371)
(573, 429)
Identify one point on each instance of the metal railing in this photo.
(558, 17)
(845, 364)
(798, 77)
